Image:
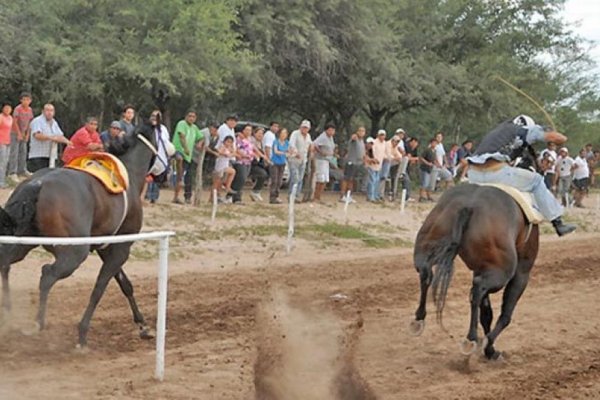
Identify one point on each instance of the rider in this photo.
(490, 164)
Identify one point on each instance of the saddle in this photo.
(525, 200)
(105, 167)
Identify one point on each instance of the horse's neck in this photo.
(137, 162)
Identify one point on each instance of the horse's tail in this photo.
(443, 257)
(19, 212)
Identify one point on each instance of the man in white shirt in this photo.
(269, 138)
(564, 166)
(581, 178)
(300, 145)
(45, 136)
(549, 157)
(439, 165)
(227, 128)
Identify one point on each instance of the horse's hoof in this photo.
(147, 333)
(31, 330)
(81, 349)
(416, 327)
(468, 347)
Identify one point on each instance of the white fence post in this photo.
(214, 206)
(290, 237)
(403, 200)
(163, 273)
(161, 312)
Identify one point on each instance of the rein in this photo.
(148, 144)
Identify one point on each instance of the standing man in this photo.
(45, 132)
(127, 117)
(324, 148)
(427, 163)
(440, 169)
(300, 145)
(411, 157)
(227, 128)
(466, 149)
(581, 178)
(381, 154)
(564, 166)
(269, 138)
(354, 162)
(22, 116)
(186, 137)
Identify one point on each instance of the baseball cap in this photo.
(396, 138)
(115, 124)
(381, 132)
(564, 149)
(370, 140)
(305, 124)
(400, 130)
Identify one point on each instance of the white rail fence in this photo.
(163, 273)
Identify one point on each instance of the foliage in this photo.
(423, 65)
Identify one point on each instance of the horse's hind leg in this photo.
(12, 254)
(418, 324)
(487, 282)
(486, 314)
(138, 318)
(67, 260)
(511, 296)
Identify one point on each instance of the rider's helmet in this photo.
(524, 120)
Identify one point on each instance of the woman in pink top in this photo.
(6, 122)
(243, 164)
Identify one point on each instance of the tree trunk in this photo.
(199, 175)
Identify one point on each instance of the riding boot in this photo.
(562, 228)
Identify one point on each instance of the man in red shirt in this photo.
(85, 140)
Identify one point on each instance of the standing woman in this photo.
(245, 155)
(279, 152)
(259, 170)
(6, 123)
(160, 168)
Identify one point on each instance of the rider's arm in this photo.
(537, 134)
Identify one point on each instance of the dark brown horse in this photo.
(70, 203)
(488, 230)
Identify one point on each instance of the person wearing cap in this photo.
(373, 169)
(564, 177)
(113, 136)
(490, 163)
(395, 157)
(299, 146)
(401, 133)
(324, 150)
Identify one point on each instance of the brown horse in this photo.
(490, 233)
(70, 203)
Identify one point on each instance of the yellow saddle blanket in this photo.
(105, 167)
(524, 200)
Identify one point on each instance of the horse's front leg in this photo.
(6, 304)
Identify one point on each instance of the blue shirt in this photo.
(279, 159)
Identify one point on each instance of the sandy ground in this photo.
(246, 321)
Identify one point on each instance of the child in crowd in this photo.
(224, 172)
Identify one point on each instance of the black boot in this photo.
(562, 228)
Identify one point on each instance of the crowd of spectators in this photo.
(235, 154)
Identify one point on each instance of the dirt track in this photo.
(552, 348)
